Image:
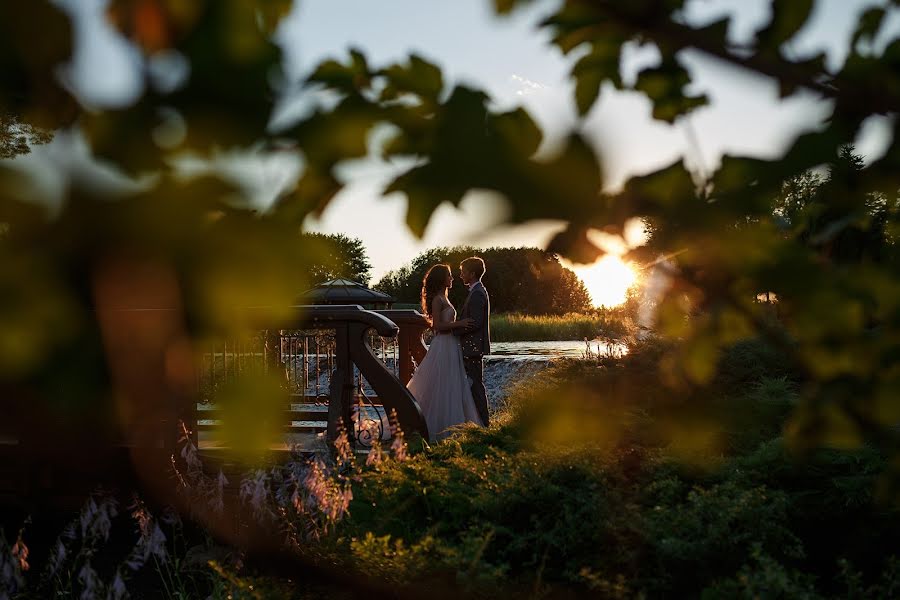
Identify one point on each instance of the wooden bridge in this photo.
(333, 366)
(341, 365)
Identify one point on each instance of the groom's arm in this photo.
(461, 330)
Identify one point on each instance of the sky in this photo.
(512, 60)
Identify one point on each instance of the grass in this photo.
(514, 327)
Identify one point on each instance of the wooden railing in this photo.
(157, 381)
(412, 326)
(365, 358)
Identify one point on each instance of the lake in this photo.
(548, 350)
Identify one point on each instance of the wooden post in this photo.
(409, 339)
(340, 402)
(393, 394)
(272, 351)
(406, 361)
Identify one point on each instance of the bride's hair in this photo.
(432, 285)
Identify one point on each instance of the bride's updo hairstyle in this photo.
(432, 285)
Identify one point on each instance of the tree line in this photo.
(333, 256)
(526, 280)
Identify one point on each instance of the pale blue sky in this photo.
(510, 59)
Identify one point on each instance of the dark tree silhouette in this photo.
(17, 136)
(335, 255)
(527, 280)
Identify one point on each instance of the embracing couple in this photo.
(449, 384)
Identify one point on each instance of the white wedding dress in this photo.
(441, 386)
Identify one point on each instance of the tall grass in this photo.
(515, 327)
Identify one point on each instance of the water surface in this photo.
(548, 350)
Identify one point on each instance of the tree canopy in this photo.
(527, 280)
(17, 136)
(335, 255)
(198, 244)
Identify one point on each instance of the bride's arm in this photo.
(439, 325)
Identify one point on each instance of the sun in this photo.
(607, 280)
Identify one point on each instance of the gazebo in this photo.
(346, 291)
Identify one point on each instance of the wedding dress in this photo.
(440, 384)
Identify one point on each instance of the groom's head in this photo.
(471, 269)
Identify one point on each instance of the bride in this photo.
(439, 383)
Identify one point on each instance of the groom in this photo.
(476, 339)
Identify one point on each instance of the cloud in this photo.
(525, 86)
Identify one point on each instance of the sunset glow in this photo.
(607, 280)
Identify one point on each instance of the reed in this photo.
(515, 327)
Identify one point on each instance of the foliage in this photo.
(197, 249)
(813, 208)
(833, 271)
(334, 256)
(104, 553)
(585, 485)
(526, 280)
(622, 503)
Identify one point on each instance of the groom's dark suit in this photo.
(476, 342)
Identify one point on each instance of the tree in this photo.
(334, 256)
(837, 215)
(199, 245)
(17, 137)
(527, 280)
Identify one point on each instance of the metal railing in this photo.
(338, 365)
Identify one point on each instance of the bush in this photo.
(584, 485)
(712, 532)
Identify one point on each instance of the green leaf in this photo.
(314, 191)
(503, 7)
(664, 86)
(35, 39)
(574, 244)
(418, 77)
(814, 64)
(599, 65)
(568, 185)
(587, 90)
(668, 188)
(342, 133)
(226, 100)
(421, 201)
(868, 27)
(717, 30)
(518, 130)
(788, 17)
(125, 136)
(458, 155)
(576, 23)
(349, 78)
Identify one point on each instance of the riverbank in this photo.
(515, 327)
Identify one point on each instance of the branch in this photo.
(679, 37)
